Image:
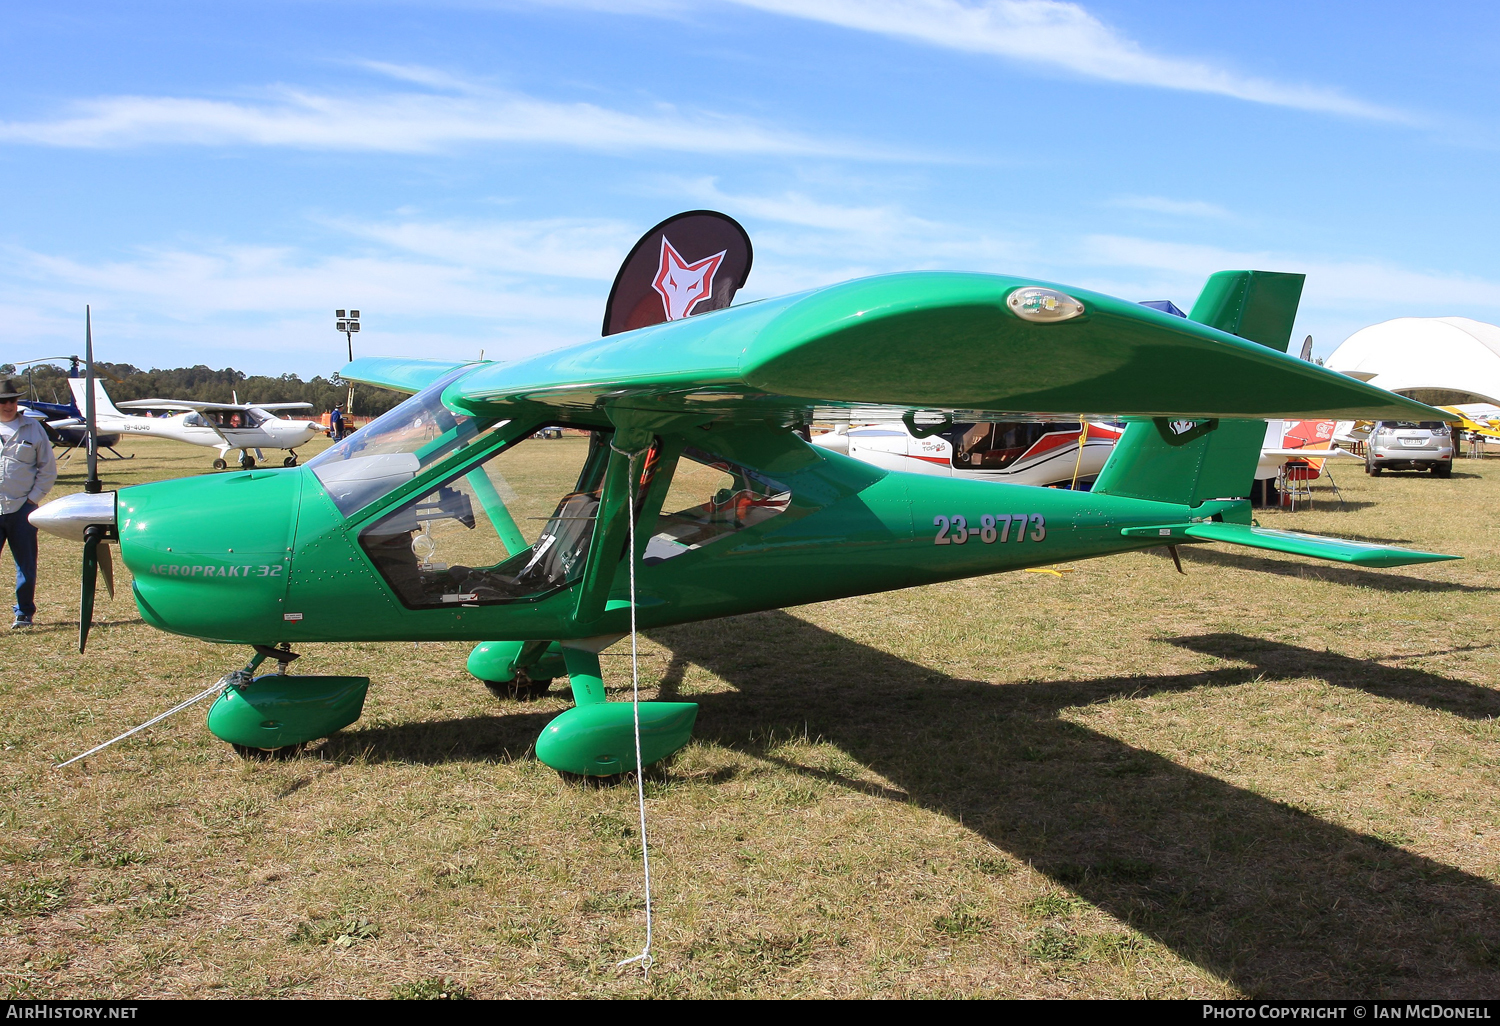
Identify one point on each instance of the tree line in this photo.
(124, 382)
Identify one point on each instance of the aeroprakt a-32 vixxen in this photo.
(438, 521)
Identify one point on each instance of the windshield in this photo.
(394, 448)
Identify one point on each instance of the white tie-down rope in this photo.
(635, 700)
(219, 685)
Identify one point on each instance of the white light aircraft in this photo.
(223, 426)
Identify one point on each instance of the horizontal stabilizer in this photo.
(398, 373)
(1336, 549)
(1311, 454)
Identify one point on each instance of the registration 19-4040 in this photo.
(1001, 527)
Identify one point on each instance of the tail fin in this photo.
(102, 403)
(1188, 462)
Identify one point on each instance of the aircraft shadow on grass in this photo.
(1269, 897)
(503, 738)
(1262, 894)
(1331, 504)
(1379, 580)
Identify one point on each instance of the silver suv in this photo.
(1409, 445)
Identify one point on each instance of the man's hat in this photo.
(10, 390)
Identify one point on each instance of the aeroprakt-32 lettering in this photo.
(203, 570)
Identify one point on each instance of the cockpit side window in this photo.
(725, 498)
(516, 526)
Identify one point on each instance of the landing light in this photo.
(1045, 305)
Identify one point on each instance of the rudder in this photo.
(102, 402)
(1190, 462)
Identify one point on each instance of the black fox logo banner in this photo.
(689, 264)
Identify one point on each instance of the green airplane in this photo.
(684, 487)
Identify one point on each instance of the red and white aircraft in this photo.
(1018, 452)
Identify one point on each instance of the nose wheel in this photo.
(247, 462)
(290, 461)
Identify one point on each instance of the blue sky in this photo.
(216, 178)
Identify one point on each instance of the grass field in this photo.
(1269, 777)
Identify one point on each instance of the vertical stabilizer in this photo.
(102, 404)
(1189, 462)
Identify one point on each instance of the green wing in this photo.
(917, 341)
(398, 374)
(929, 341)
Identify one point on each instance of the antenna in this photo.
(91, 485)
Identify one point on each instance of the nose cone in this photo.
(68, 516)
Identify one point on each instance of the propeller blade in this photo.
(91, 538)
(107, 569)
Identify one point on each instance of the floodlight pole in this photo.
(348, 325)
(349, 403)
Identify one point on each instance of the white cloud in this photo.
(270, 309)
(451, 113)
(1064, 36)
(1176, 208)
(813, 242)
(799, 209)
(560, 248)
(1349, 284)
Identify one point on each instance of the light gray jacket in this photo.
(27, 467)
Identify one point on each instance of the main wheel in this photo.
(220, 465)
(522, 688)
(290, 461)
(247, 462)
(266, 754)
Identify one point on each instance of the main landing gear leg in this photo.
(273, 716)
(517, 669)
(596, 738)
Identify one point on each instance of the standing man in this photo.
(27, 472)
(336, 423)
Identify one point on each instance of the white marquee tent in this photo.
(1441, 361)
